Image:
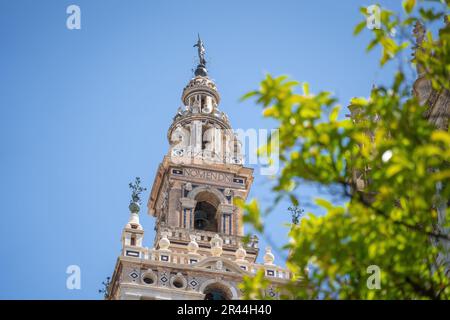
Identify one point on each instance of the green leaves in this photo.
(324, 203)
(408, 5)
(384, 36)
(386, 162)
(249, 95)
(434, 58)
(252, 214)
(359, 27)
(254, 288)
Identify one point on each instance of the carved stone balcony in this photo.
(162, 257)
(177, 235)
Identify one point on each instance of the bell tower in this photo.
(202, 173)
(199, 247)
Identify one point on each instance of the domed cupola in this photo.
(199, 129)
(203, 91)
(200, 96)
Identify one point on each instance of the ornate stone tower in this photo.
(199, 250)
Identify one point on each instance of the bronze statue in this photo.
(201, 51)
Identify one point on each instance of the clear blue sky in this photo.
(82, 112)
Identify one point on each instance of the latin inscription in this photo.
(208, 175)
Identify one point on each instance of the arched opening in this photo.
(205, 217)
(205, 212)
(217, 291)
(207, 137)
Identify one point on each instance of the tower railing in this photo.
(204, 237)
(165, 257)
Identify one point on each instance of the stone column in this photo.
(187, 213)
(218, 141)
(208, 107)
(196, 136)
(173, 204)
(225, 215)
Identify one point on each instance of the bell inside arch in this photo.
(205, 217)
(200, 220)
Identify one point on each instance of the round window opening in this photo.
(178, 283)
(148, 280)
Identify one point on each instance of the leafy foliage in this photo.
(254, 288)
(388, 161)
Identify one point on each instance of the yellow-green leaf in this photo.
(408, 5)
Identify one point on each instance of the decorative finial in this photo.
(135, 201)
(193, 245)
(201, 68)
(105, 289)
(269, 257)
(240, 253)
(164, 242)
(216, 246)
(296, 214)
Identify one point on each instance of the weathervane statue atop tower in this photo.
(201, 51)
(201, 68)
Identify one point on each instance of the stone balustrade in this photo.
(203, 238)
(168, 257)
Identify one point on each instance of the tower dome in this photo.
(200, 130)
